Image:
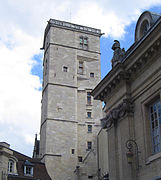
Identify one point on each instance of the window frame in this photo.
(89, 145)
(90, 177)
(65, 69)
(92, 74)
(89, 114)
(89, 98)
(81, 67)
(80, 159)
(72, 151)
(28, 170)
(155, 124)
(89, 128)
(11, 166)
(83, 42)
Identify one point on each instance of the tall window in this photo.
(89, 128)
(10, 166)
(80, 68)
(89, 114)
(155, 117)
(83, 42)
(73, 150)
(89, 145)
(88, 98)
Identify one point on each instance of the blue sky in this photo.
(22, 25)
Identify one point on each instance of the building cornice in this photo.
(72, 27)
(137, 57)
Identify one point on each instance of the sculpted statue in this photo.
(118, 53)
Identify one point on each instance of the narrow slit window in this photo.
(89, 145)
(73, 151)
(88, 98)
(80, 68)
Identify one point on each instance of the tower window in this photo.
(88, 98)
(89, 114)
(80, 159)
(83, 42)
(65, 68)
(89, 145)
(90, 177)
(89, 128)
(80, 68)
(91, 74)
(73, 151)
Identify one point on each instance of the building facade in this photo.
(70, 116)
(132, 95)
(17, 166)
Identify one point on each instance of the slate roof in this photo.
(39, 169)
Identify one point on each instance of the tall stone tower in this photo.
(70, 117)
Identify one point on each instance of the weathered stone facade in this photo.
(132, 95)
(70, 116)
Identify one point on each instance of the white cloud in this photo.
(20, 98)
(22, 24)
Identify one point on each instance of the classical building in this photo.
(70, 116)
(17, 166)
(131, 92)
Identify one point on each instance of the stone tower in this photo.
(70, 117)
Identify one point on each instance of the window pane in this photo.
(89, 145)
(89, 114)
(89, 128)
(10, 166)
(80, 68)
(80, 159)
(88, 98)
(91, 74)
(83, 42)
(65, 69)
(156, 126)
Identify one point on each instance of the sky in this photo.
(22, 24)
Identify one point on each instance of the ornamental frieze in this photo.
(116, 113)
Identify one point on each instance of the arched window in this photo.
(144, 28)
(10, 166)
